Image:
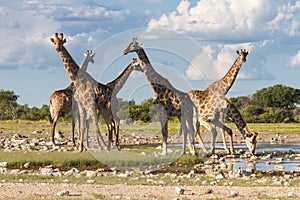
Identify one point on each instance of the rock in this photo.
(90, 181)
(179, 190)
(208, 191)
(279, 167)
(49, 171)
(15, 171)
(126, 174)
(220, 176)
(63, 193)
(291, 195)
(3, 164)
(234, 193)
(26, 165)
(71, 172)
(3, 170)
(191, 174)
(90, 173)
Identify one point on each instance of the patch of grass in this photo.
(188, 159)
(275, 128)
(59, 159)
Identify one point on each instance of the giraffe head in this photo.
(58, 41)
(136, 65)
(89, 54)
(242, 54)
(251, 141)
(133, 46)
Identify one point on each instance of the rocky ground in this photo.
(90, 191)
(218, 185)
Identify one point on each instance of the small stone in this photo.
(209, 191)
(220, 176)
(90, 181)
(3, 164)
(179, 190)
(291, 195)
(90, 173)
(15, 171)
(26, 165)
(63, 193)
(234, 193)
(191, 174)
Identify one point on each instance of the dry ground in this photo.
(90, 191)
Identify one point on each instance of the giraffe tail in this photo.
(51, 111)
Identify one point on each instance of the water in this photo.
(263, 149)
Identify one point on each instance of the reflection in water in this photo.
(283, 157)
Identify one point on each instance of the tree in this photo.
(241, 102)
(277, 96)
(8, 105)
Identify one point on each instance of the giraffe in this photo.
(211, 104)
(115, 86)
(86, 92)
(167, 100)
(212, 108)
(61, 100)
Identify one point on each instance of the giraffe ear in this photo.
(237, 52)
(64, 41)
(141, 44)
(52, 40)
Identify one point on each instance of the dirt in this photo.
(90, 191)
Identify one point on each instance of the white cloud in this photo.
(209, 65)
(295, 60)
(30, 24)
(234, 20)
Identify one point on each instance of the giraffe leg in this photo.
(224, 141)
(227, 130)
(52, 126)
(116, 132)
(100, 139)
(184, 129)
(209, 126)
(73, 130)
(191, 134)
(213, 140)
(163, 118)
(199, 138)
(82, 127)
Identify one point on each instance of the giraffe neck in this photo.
(70, 65)
(229, 78)
(154, 78)
(237, 118)
(85, 63)
(70, 87)
(117, 84)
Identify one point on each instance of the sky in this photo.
(191, 43)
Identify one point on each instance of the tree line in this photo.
(274, 104)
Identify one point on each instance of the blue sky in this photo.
(192, 43)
